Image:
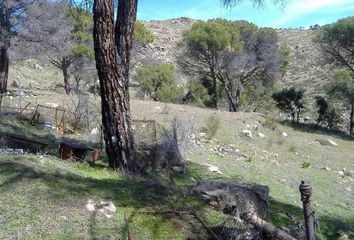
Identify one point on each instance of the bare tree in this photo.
(12, 16)
(256, 67)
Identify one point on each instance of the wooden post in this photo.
(305, 190)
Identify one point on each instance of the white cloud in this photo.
(299, 8)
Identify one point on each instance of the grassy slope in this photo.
(46, 197)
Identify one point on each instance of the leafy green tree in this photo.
(233, 55)
(336, 41)
(206, 43)
(343, 88)
(159, 82)
(290, 101)
(113, 44)
(326, 113)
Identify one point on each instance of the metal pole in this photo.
(305, 190)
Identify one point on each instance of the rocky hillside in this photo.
(306, 69)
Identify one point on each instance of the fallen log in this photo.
(275, 232)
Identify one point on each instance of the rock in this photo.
(284, 134)
(348, 189)
(306, 119)
(178, 169)
(202, 135)
(213, 169)
(261, 135)
(94, 131)
(248, 126)
(235, 199)
(331, 142)
(327, 142)
(247, 133)
(90, 205)
(327, 169)
(105, 208)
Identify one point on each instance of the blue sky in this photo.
(297, 13)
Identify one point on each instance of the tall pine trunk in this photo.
(215, 87)
(5, 34)
(351, 126)
(65, 64)
(112, 47)
(4, 69)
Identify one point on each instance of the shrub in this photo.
(212, 127)
(198, 95)
(270, 124)
(292, 148)
(306, 165)
(327, 113)
(158, 82)
(142, 34)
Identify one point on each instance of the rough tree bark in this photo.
(112, 47)
(5, 31)
(4, 69)
(64, 64)
(351, 129)
(65, 68)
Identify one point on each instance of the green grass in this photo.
(45, 198)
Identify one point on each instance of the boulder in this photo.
(234, 198)
(261, 135)
(247, 133)
(284, 134)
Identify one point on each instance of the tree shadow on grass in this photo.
(312, 128)
(136, 193)
(124, 191)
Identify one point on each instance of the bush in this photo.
(327, 113)
(158, 82)
(212, 127)
(198, 95)
(270, 124)
(142, 34)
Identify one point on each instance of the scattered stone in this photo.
(284, 134)
(327, 169)
(327, 142)
(247, 133)
(202, 135)
(94, 131)
(331, 142)
(90, 205)
(178, 169)
(261, 135)
(248, 126)
(348, 189)
(214, 169)
(105, 208)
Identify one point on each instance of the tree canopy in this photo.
(337, 42)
